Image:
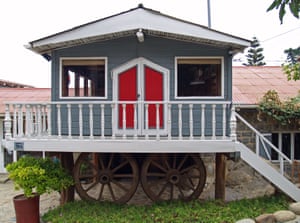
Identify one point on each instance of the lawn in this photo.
(176, 211)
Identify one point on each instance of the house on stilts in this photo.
(141, 96)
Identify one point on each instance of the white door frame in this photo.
(140, 63)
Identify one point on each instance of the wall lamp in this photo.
(140, 35)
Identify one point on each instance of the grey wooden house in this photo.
(141, 95)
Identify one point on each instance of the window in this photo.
(83, 77)
(199, 77)
(288, 143)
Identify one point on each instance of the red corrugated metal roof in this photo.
(251, 83)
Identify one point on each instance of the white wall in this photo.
(2, 169)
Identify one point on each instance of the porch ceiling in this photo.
(128, 23)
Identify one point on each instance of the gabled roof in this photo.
(250, 83)
(128, 23)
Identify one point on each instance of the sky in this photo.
(24, 21)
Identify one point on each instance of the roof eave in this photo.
(128, 22)
(42, 49)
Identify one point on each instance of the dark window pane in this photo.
(286, 144)
(198, 77)
(83, 78)
(274, 154)
(297, 146)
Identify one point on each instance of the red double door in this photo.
(141, 88)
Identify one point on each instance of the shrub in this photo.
(38, 175)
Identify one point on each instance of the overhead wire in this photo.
(281, 34)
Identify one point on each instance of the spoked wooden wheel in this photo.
(173, 176)
(110, 176)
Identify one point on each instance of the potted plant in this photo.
(35, 176)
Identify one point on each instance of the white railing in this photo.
(106, 119)
(261, 139)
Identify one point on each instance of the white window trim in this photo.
(82, 58)
(199, 97)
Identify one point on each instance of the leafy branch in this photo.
(292, 65)
(285, 112)
(294, 6)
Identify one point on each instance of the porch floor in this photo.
(118, 144)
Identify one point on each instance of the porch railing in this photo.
(108, 119)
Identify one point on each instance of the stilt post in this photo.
(67, 162)
(220, 176)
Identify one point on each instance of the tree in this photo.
(255, 56)
(292, 65)
(294, 6)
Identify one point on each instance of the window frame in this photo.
(292, 142)
(82, 58)
(193, 58)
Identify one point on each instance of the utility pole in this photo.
(208, 14)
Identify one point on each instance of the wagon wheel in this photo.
(173, 176)
(106, 177)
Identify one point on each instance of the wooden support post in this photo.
(67, 162)
(220, 176)
(77, 84)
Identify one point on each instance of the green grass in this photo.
(195, 211)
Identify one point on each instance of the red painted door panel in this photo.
(127, 92)
(154, 92)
